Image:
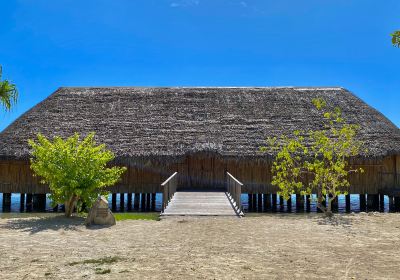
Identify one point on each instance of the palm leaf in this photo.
(8, 93)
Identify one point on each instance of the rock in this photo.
(100, 214)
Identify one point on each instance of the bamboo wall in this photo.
(206, 171)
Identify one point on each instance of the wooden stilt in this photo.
(29, 202)
(153, 201)
(148, 205)
(259, 202)
(122, 202)
(397, 203)
(143, 201)
(22, 202)
(381, 202)
(136, 201)
(372, 202)
(267, 202)
(254, 201)
(363, 203)
(6, 202)
(250, 201)
(348, 203)
(308, 203)
(39, 202)
(129, 204)
(299, 202)
(274, 201)
(289, 203)
(281, 200)
(391, 203)
(335, 205)
(114, 202)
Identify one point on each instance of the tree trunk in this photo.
(328, 211)
(70, 206)
(319, 202)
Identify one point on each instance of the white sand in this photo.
(276, 246)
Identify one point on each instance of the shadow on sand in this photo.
(335, 220)
(35, 225)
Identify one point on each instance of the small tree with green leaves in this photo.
(75, 170)
(316, 161)
(8, 93)
(396, 38)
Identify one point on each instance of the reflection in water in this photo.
(354, 200)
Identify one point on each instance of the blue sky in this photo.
(47, 44)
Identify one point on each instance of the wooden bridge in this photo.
(202, 203)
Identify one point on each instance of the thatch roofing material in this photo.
(137, 122)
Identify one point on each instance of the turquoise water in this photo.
(354, 200)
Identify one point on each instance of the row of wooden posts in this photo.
(142, 201)
(256, 202)
(269, 202)
(37, 202)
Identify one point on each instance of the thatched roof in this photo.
(136, 121)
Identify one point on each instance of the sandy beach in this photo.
(276, 246)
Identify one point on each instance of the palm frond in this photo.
(8, 93)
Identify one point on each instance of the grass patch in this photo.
(105, 260)
(137, 216)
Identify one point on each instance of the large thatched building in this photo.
(199, 132)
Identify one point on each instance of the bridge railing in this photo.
(169, 189)
(234, 190)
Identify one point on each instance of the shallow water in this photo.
(354, 200)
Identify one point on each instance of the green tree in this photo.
(310, 162)
(75, 170)
(396, 38)
(8, 93)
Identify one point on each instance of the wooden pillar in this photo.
(381, 202)
(129, 203)
(274, 200)
(259, 202)
(308, 203)
(39, 202)
(254, 202)
(348, 203)
(299, 202)
(363, 203)
(153, 201)
(143, 201)
(122, 202)
(6, 202)
(114, 202)
(372, 202)
(267, 202)
(22, 202)
(148, 205)
(281, 201)
(289, 203)
(250, 201)
(29, 202)
(391, 203)
(397, 203)
(335, 205)
(136, 201)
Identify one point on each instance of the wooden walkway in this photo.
(199, 204)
